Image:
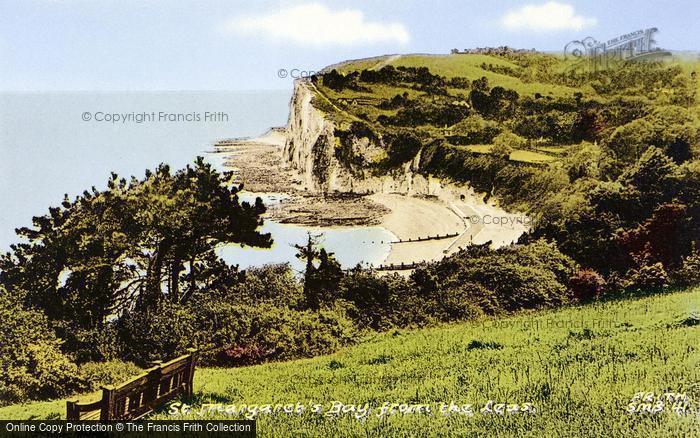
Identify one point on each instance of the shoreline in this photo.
(257, 162)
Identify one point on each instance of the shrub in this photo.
(273, 284)
(474, 130)
(235, 334)
(525, 287)
(240, 355)
(381, 303)
(545, 255)
(689, 271)
(586, 285)
(160, 333)
(231, 333)
(96, 374)
(501, 150)
(402, 148)
(292, 334)
(505, 142)
(86, 345)
(646, 277)
(32, 365)
(456, 302)
(519, 277)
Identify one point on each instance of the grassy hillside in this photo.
(517, 125)
(433, 106)
(579, 367)
(460, 65)
(472, 66)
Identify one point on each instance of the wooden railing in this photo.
(141, 395)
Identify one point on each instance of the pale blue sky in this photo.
(241, 45)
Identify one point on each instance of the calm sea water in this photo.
(48, 149)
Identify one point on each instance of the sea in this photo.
(57, 143)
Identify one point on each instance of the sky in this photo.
(116, 45)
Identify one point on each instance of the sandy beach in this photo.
(413, 217)
(257, 162)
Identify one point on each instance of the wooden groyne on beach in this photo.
(400, 266)
(420, 239)
(424, 238)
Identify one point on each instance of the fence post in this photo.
(72, 412)
(107, 406)
(189, 387)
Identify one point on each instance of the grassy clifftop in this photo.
(497, 69)
(538, 96)
(579, 367)
(505, 119)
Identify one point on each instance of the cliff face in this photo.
(310, 140)
(310, 151)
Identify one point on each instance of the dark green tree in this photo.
(134, 243)
(322, 273)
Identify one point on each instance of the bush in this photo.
(586, 285)
(689, 272)
(646, 277)
(519, 277)
(381, 303)
(402, 148)
(160, 333)
(273, 284)
(86, 345)
(525, 287)
(32, 365)
(462, 302)
(235, 334)
(230, 332)
(505, 142)
(241, 355)
(97, 374)
(544, 255)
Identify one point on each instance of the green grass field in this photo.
(468, 66)
(516, 155)
(530, 156)
(578, 366)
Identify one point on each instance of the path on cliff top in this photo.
(385, 62)
(331, 103)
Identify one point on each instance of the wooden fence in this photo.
(141, 395)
